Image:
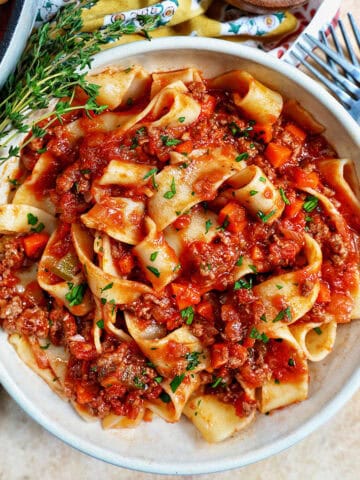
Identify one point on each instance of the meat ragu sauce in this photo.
(227, 317)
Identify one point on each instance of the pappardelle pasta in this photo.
(189, 250)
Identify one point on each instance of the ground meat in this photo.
(338, 248)
(161, 309)
(12, 256)
(204, 330)
(210, 263)
(34, 321)
(255, 371)
(9, 311)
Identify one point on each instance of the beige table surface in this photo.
(28, 452)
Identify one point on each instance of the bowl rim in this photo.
(332, 406)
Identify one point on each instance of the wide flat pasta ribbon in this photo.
(157, 258)
(121, 218)
(117, 87)
(276, 394)
(254, 99)
(179, 188)
(104, 285)
(256, 193)
(15, 219)
(293, 303)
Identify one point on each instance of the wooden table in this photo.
(28, 452)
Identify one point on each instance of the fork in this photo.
(344, 80)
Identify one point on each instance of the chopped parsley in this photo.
(176, 382)
(277, 381)
(177, 267)
(164, 397)
(255, 334)
(169, 142)
(32, 219)
(253, 268)
(243, 284)
(103, 300)
(217, 381)
(13, 181)
(225, 224)
(253, 192)
(45, 347)
(150, 173)
(153, 270)
(264, 218)
(239, 261)
(76, 294)
(181, 119)
(193, 360)
(153, 256)
(291, 362)
(284, 197)
(263, 317)
(158, 379)
(39, 228)
(262, 179)
(85, 171)
(279, 287)
(318, 330)
(139, 384)
(208, 224)
(282, 314)
(100, 323)
(134, 143)
(187, 314)
(310, 203)
(107, 287)
(242, 156)
(141, 131)
(170, 193)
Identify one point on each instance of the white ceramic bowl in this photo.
(159, 447)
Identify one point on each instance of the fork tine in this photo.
(342, 96)
(325, 42)
(333, 72)
(355, 28)
(349, 47)
(347, 66)
(338, 47)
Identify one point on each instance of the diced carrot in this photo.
(185, 295)
(208, 106)
(248, 342)
(304, 179)
(206, 310)
(185, 147)
(294, 208)
(324, 293)
(125, 264)
(35, 243)
(219, 355)
(262, 131)
(234, 216)
(256, 253)
(341, 306)
(277, 154)
(296, 131)
(182, 222)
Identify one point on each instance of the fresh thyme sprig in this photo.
(52, 66)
